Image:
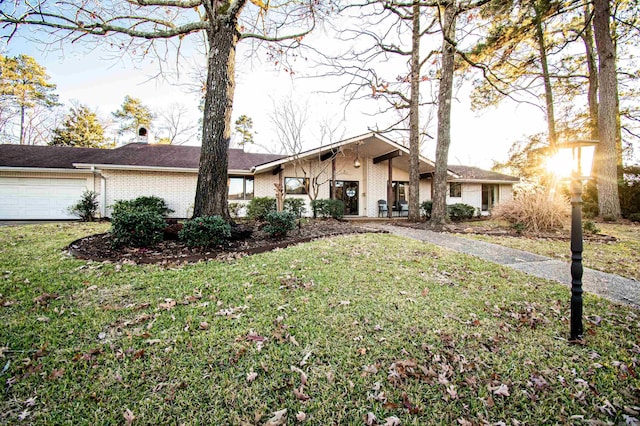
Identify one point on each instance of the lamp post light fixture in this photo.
(579, 155)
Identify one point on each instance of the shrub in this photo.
(205, 231)
(328, 208)
(590, 227)
(318, 207)
(279, 223)
(609, 218)
(460, 211)
(535, 211)
(295, 206)
(634, 217)
(425, 209)
(152, 203)
(335, 208)
(86, 207)
(234, 209)
(259, 207)
(136, 227)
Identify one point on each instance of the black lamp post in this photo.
(580, 154)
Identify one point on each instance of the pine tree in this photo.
(81, 128)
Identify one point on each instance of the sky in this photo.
(100, 82)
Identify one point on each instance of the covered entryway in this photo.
(39, 198)
(347, 191)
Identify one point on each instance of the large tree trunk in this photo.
(211, 191)
(414, 120)
(439, 211)
(548, 92)
(606, 158)
(592, 90)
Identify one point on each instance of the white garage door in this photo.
(37, 198)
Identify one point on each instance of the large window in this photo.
(455, 190)
(240, 188)
(400, 192)
(295, 185)
(490, 196)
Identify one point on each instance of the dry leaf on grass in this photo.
(279, 418)
(392, 421)
(128, 417)
(251, 376)
(501, 390)
(301, 416)
(370, 419)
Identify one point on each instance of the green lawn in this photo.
(330, 331)
(621, 257)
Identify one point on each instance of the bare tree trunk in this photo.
(592, 66)
(414, 119)
(211, 191)
(606, 156)
(22, 111)
(548, 92)
(439, 211)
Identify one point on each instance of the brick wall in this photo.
(177, 189)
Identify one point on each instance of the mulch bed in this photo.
(98, 247)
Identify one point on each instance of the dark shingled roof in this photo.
(54, 157)
(474, 173)
(176, 156)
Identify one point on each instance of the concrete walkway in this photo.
(610, 286)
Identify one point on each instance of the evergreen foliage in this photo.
(205, 231)
(81, 128)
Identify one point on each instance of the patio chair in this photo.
(403, 208)
(383, 209)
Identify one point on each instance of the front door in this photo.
(347, 191)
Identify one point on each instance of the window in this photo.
(295, 185)
(240, 188)
(455, 190)
(490, 196)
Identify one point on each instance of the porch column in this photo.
(390, 189)
(333, 178)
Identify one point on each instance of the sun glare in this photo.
(560, 164)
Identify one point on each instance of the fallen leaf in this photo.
(392, 421)
(251, 376)
(370, 419)
(293, 341)
(408, 404)
(451, 390)
(301, 416)
(501, 390)
(344, 303)
(303, 375)
(204, 325)
(45, 297)
(299, 393)
(168, 305)
(56, 374)
(279, 418)
(129, 417)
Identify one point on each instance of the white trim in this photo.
(266, 166)
(42, 170)
(151, 168)
(490, 181)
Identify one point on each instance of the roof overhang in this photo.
(149, 168)
(493, 181)
(42, 170)
(383, 147)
